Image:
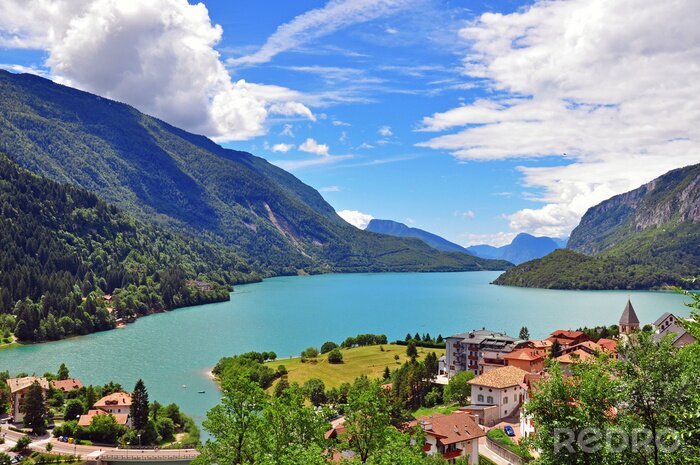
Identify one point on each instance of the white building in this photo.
(18, 391)
(502, 387)
(452, 436)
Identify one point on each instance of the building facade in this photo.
(453, 436)
(502, 387)
(477, 351)
(18, 391)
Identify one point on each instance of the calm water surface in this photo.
(288, 314)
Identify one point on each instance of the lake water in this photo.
(288, 314)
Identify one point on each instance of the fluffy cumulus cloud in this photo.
(610, 88)
(356, 218)
(385, 131)
(284, 148)
(311, 146)
(158, 55)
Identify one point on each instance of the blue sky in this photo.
(474, 120)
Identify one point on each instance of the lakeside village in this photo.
(472, 410)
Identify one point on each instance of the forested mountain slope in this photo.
(189, 184)
(646, 238)
(62, 249)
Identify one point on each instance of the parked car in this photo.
(509, 430)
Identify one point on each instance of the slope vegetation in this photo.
(188, 184)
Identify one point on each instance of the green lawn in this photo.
(369, 360)
(442, 409)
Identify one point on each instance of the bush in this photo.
(502, 439)
(73, 408)
(5, 459)
(335, 356)
(310, 352)
(22, 443)
(328, 346)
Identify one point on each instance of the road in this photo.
(39, 445)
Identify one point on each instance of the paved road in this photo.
(39, 444)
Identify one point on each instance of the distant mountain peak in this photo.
(523, 247)
(394, 228)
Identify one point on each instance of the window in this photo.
(505, 400)
(489, 400)
(480, 398)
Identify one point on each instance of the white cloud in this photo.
(356, 218)
(496, 239)
(391, 30)
(365, 145)
(157, 55)
(319, 22)
(311, 146)
(410, 221)
(608, 87)
(339, 123)
(343, 139)
(287, 131)
(468, 214)
(385, 131)
(284, 148)
(330, 189)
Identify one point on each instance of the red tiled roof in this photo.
(452, 428)
(577, 355)
(67, 385)
(608, 344)
(564, 333)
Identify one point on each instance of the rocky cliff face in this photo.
(668, 201)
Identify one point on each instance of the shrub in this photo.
(310, 352)
(335, 356)
(22, 443)
(501, 438)
(328, 346)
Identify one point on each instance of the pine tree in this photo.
(90, 396)
(34, 409)
(387, 374)
(139, 406)
(63, 372)
(524, 333)
(411, 350)
(556, 348)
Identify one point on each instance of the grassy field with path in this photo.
(368, 360)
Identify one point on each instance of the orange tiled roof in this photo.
(114, 400)
(67, 385)
(564, 333)
(524, 354)
(500, 377)
(608, 344)
(452, 428)
(575, 356)
(86, 420)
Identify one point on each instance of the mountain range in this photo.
(188, 184)
(524, 246)
(643, 239)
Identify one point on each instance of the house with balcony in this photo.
(478, 351)
(453, 436)
(117, 404)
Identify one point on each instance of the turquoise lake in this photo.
(288, 314)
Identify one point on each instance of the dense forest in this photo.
(62, 249)
(188, 184)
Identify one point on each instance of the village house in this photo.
(18, 391)
(629, 322)
(500, 388)
(576, 356)
(529, 385)
(66, 385)
(117, 404)
(452, 436)
(668, 324)
(477, 351)
(527, 359)
(567, 338)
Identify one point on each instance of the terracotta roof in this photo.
(567, 334)
(524, 354)
(86, 420)
(19, 384)
(608, 344)
(575, 356)
(500, 377)
(629, 316)
(67, 385)
(114, 400)
(543, 344)
(452, 428)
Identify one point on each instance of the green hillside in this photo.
(187, 183)
(62, 249)
(644, 239)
